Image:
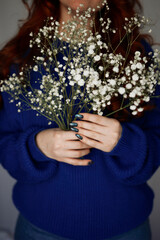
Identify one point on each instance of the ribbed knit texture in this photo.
(93, 202)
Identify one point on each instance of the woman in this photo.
(58, 195)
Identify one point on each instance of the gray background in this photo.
(10, 12)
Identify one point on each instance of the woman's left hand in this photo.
(99, 131)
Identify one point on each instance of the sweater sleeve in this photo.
(19, 154)
(137, 154)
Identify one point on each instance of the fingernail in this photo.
(79, 136)
(79, 115)
(90, 163)
(73, 124)
(75, 129)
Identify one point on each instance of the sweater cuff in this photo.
(128, 156)
(131, 139)
(35, 151)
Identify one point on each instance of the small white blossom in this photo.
(135, 77)
(137, 53)
(77, 77)
(132, 107)
(140, 109)
(139, 65)
(86, 73)
(134, 112)
(99, 43)
(112, 82)
(132, 94)
(97, 58)
(90, 51)
(133, 67)
(121, 90)
(116, 69)
(128, 85)
(107, 74)
(101, 68)
(35, 69)
(81, 82)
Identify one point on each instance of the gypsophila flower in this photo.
(121, 90)
(97, 58)
(135, 77)
(35, 68)
(116, 69)
(89, 69)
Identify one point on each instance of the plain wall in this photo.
(10, 12)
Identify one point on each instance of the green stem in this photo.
(118, 110)
(155, 96)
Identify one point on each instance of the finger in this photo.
(101, 120)
(69, 135)
(91, 142)
(91, 126)
(77, 153)
(76, 162)
(91, 134)
(75, 144)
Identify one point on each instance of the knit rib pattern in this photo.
(92, 202)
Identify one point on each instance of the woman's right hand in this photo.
(63, 146)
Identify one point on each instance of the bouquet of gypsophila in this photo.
(78, 69)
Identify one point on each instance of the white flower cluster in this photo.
(75, 64)
(136, 21)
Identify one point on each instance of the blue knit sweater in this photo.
(93, 202)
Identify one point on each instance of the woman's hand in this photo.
(99, 131)
(62, 146)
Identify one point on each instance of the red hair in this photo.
(13, 51)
